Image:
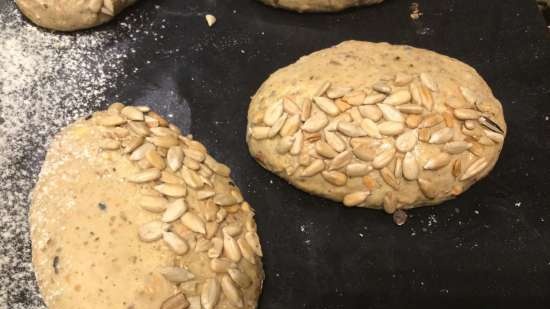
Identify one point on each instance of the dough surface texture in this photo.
(319, 5)
(377, 125)
(129, 213)
(71, 15)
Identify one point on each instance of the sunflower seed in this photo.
(132, 113)
(410, 109)
(273, 113)
(139, 152)
(365, 152)
(144, 176)
(428, 81)
(290, 107)
(325, 150)
(466, 113)
(369, 182)
(284, 145)
(357, 169)
(315, 123)
(370, 128)
(220, 215)
(474, 169)
(177, 301)
(355, 98)
(410, 166)
(382, 88)
(174, 242)
(172, 190)
(342, 105)
(355, 198)
(239, 277)
(153, 203)
(306, 109)
(374, 98)
(397, 98)
(144, 164)
(151, 231)
(469, 95)
(216, 249)
(477, 149)
(421, 95)
(438, 161)
(441, 136)
(191, 164)
(326, 105)
(398, 171)
(384, 158)
(109, 144)
(193, 222)
(314, 168)
(427, 187)
(341, 160)
(456, 147)
(399, 217)
(406, 141)
(390, 203)
(497, 137)
(350, 129)
(336, 178)
(204, 194)
(390, 113)
(389, 178)
(254, 242)
(194, 154)
(335, 141)
(322, 89)
(110, 120)
(155, 159)
(176, 274)
(171, 178)
(485, 141)
(402, 79)
(371, 112)
(139, 128)
(231, 248)
(413, 121)
(431, 121)
(424, 134)
(291, 125)
(274, 130)
(355, 115)
(151, 122)
(457, 167)
(115, 108)
(163, 141)
(174, 158)
(391, 128)
(260, 133)
(225, 199)
(202, 245)
(247, 252)
(470, 124)
(336, 92)
(174, 211)
(210, 293)
(298, 142)
(191, 178)
(490, 124)
(231, 292)
(133, 144)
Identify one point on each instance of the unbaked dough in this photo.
(318, 5)
(129, 213)
(70, 15)
(377, 125)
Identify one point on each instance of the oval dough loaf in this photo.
(377, 125)
(70, 15)
(318, 5)
(128, 213)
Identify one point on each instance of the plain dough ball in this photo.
(70, 15)
(377, 125)
(96, 219)
(318, 5)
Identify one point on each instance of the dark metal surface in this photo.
(487, 249)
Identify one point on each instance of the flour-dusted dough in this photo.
(318, 5)
(128, 213)
(377, 125)
(70, 15)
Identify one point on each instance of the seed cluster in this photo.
(174, 169)
(343, 133)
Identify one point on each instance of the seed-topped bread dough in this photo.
(377, 125)
(129, 213)
(318, 5)
(70, 15)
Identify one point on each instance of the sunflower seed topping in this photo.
(398, 98)
(151, 231)
(176, 274)
(193, 222)
(174, 210)
(356, 198)
(231, 292)
(144, 176)
(273, 112)
(210, 293)
(178, 245)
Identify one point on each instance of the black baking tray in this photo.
(490, 248)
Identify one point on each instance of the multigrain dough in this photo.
(377, 125)
(70, 15)
(318, 5)
(128, 213)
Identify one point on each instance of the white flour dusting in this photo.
(46, 81)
